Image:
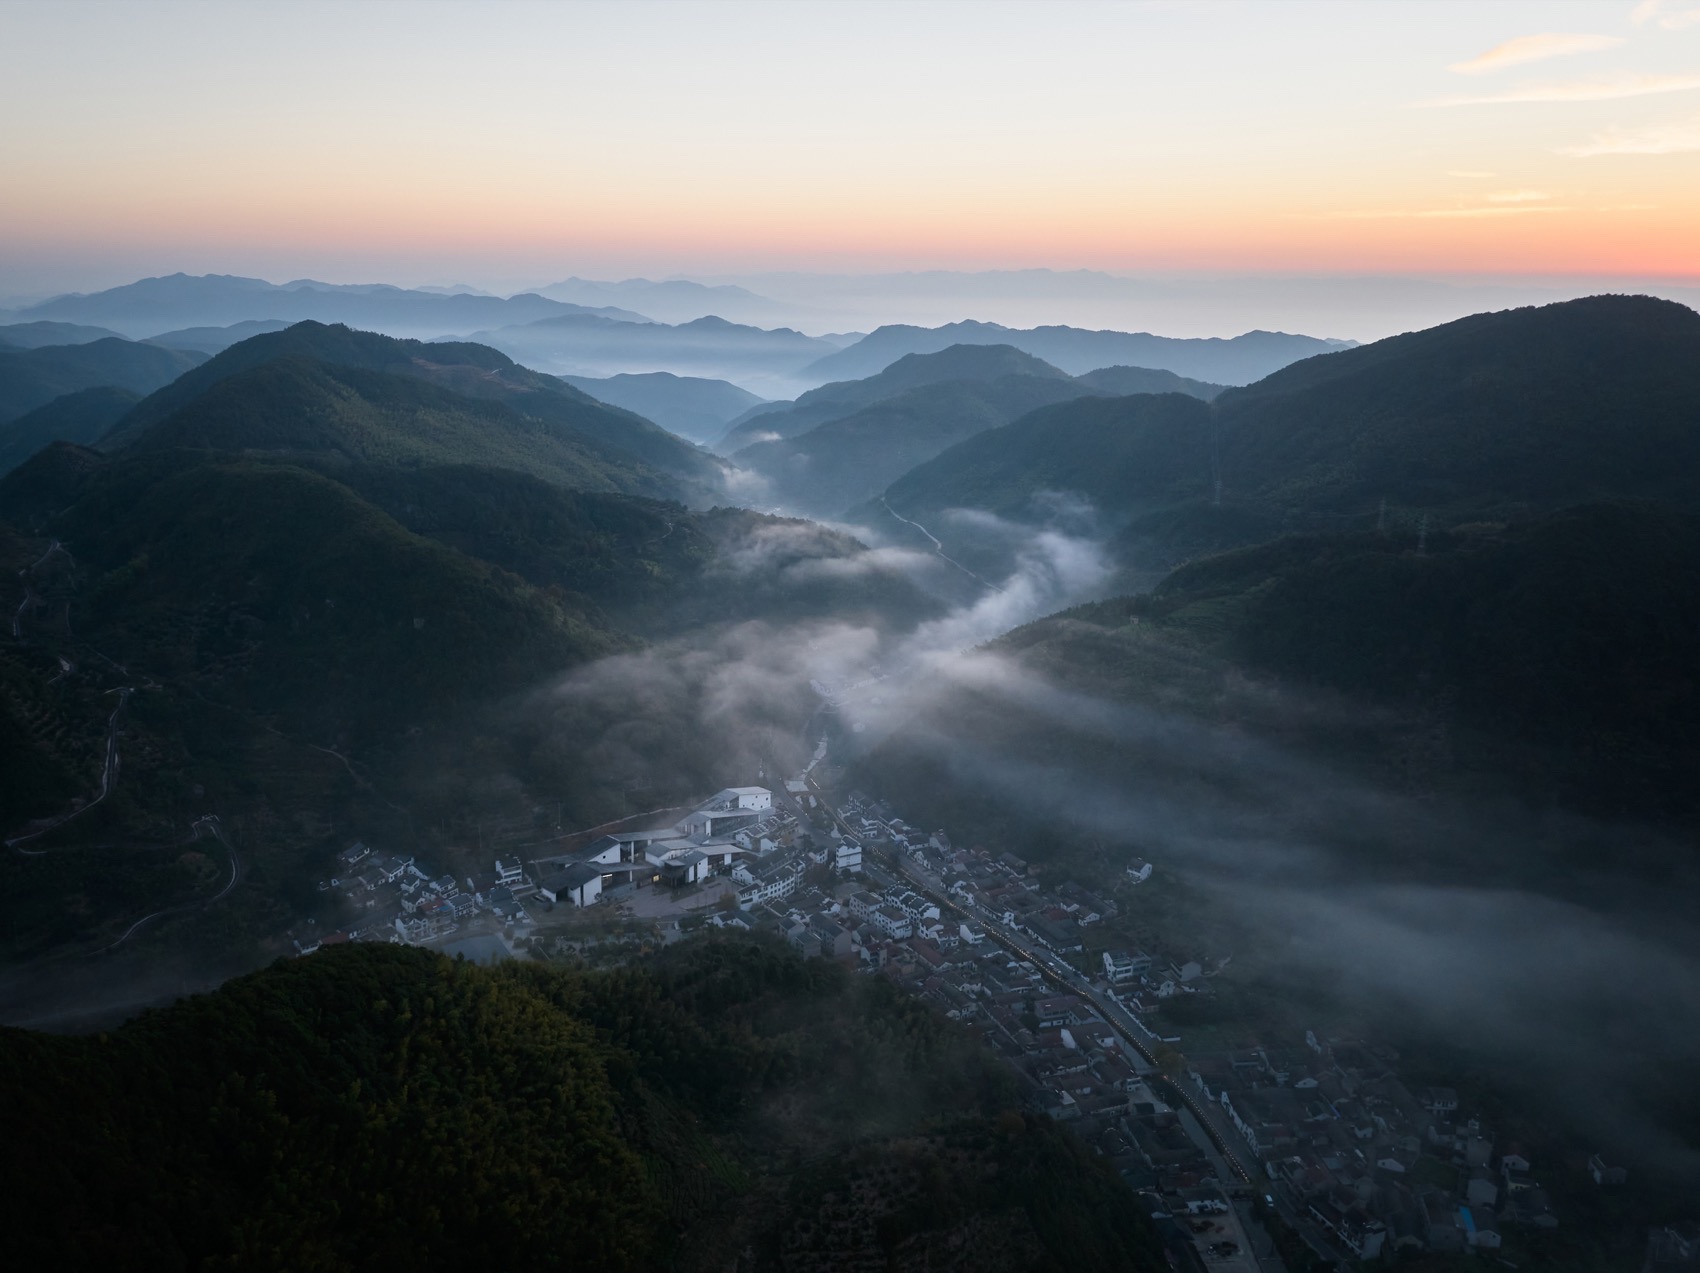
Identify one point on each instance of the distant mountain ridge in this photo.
(755, 358)
(670, 300)
(694, 407)
(218, 300)
(1233, 361)
(34, 335)
(215, 340)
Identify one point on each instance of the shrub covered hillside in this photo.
(376, 1106)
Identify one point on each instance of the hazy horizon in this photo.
(1356, 307)
(1400, 143)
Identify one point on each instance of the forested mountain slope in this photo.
(844, 397)
(510, 400)
(371, 1104)
(82, 416)
(31, 378)
(1522, 409)
(1498, 415)
(845, 461)
(1553, 662)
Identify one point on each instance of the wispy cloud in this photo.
(1594, 90)
(1534, 48)
(1658, 139)
(1466, 172)
(1429, 214)
(1669, 14)
(1518, 196)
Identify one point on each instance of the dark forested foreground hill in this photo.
(723, 1104)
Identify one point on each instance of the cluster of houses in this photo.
(736, 832)
(1378, 1167)
(1002, 887)
(1367, 1158)
(1071, 1061)
(398, 900)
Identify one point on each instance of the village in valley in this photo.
(1308, 1151)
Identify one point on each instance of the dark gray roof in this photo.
(573, 876)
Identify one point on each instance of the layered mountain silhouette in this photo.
(213, 340)
(217, 300)
(590, 345)
(833, 401)
(31, 378)
(839, 445)
(317, 388)
(1502, 414)
(1233, 361)
(34, 335)
(83, 416)
(694, 407)
(668, 300)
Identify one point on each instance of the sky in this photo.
(509, 144)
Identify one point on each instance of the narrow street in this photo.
(1065, 977)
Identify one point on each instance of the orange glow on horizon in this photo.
(1210, 137)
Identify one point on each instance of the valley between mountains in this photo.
(1384, 660)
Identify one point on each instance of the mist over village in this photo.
(748, 637)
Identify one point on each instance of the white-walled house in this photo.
(848, 856)
(757, 798)
(578, 882)
(1122, 966)
(766, 880)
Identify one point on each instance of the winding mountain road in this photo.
(235, 874)
(108, 780)
(938, 548)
